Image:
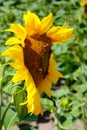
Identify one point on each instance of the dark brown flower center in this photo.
(36, 56)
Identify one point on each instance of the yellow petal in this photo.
(52, 77)
(60, 34)
(45, 86)
(33, 100)
(12, 40)
(46, 23)
(14, 52)
(33, 97)
(18, 65)
(54, 74)
(19, 76)
(23, 103)
(18, 30)
(29, 19)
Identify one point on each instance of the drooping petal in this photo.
(46, 23)
(54, 74)
(45, 86)
(16, 66)
(33, 96)
(60, 34)
(19, 76)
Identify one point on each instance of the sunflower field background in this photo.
(68, 102)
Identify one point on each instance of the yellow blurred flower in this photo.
(84, 4)
(32, 58)
(64, 102)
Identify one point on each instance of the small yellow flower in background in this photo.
(32, 58)
(64, 102)
(84, 4)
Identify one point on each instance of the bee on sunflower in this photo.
(31, 53)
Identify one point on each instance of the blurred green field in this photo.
(70, 97)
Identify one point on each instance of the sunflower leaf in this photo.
(10, 118)
(19, 97)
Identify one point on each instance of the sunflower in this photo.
(84, 4)
(32, 58)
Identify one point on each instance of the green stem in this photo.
(3, 116)
(57, 123)
(1, 75)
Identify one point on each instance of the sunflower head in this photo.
(32, 58)
(37, 52)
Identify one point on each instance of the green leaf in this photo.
(30, 118)
(2, 60)
(62, 118)
(75, 112)
(5, 80)
(19, 97)
(11, 88)
(48, 104)
(61, 92)
(9, 70)
(85, 55)
(10, 119)
(68, 125)
(80, 87)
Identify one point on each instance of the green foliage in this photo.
(27, 128)
(19, 97)
(69, 100)
(48, 104)
(10, 119)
